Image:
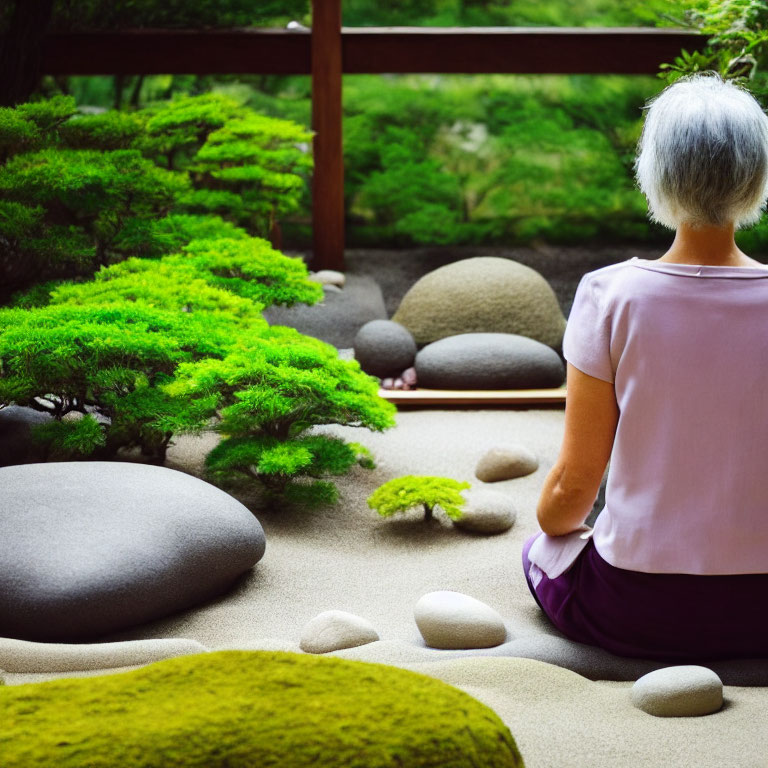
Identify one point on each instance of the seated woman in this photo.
(668, 377)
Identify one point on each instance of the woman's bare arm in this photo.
(591, 416)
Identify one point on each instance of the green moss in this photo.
(250, 709)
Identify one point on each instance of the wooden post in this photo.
(328, 177)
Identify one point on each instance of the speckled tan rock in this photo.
(505, 462)
(334, 630)
(486, 294)
(681, 691)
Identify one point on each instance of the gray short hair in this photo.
(703, 154)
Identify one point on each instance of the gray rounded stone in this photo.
(17, 445)
(487, 512)
(488, 361)
(90, 548)
(452, 620)
(505, 462)
(335, 630)
(683, 691)
(485, 294)
(384, 348)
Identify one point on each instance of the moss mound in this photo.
(238, 709)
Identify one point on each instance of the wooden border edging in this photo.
(420, 397)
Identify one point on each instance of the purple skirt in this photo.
(669, 617)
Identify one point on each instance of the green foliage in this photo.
(522, 13)
(244, 166)
(109, 360)
(269, 398)
(499, 159)
(737, 45)
(155, 346)
(404, 493)
(246, 708)
(82, 191)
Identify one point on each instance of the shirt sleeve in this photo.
(587, 340)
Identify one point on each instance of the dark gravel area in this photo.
(563, 267)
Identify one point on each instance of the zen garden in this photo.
(284, 288)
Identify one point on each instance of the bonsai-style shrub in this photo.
(246, 167)
(78, 192)
(241, 708)
(98, 370)
(404, 493)
(107, 348)
(268, 398)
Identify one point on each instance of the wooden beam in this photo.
(514, 50)
(178, 52)
(328, 174)
(521, 50)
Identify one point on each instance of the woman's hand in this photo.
(591, 416)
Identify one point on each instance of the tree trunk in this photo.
(427, 513)
(21, 50)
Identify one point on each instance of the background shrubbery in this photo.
(454, 160)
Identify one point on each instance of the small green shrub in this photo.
(404, 493)
(240, 709)
(268, 397)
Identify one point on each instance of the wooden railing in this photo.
(329, 51)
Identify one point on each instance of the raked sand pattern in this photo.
(346, 558)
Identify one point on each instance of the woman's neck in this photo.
(707, 246)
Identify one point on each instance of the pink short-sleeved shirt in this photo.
(686, 348)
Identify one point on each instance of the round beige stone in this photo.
(486, 294)
(681, 691)
(452, 620)
(505, 462)
(335, 630)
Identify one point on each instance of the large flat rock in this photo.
(339, 316)
(88, 548)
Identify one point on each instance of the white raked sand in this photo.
(347, 558)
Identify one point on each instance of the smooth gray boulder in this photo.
(89, 548)
(680, 691)
(384, 348)
(339, 316)
(488, 361)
